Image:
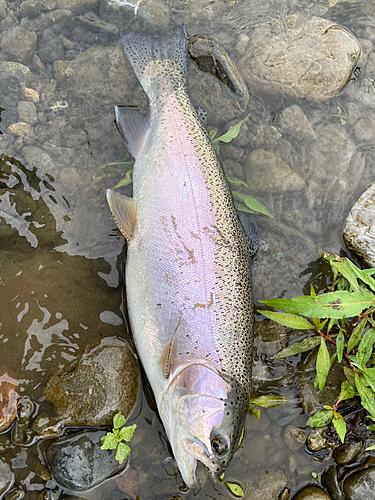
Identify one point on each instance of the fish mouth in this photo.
(197, 450)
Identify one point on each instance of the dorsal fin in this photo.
(124, 211)
(134, 127)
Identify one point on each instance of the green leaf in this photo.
(255, 413)
(341, 265)
(340, 425)
(126, 180)
(370, 271)
(251, 203)
(371, 448)
(122, 452)
(269, 401)
(328, 305)
(349, 374)
(371, 428)
(119, 420)
(221, 478)
(290, 320)
(356, 335)
(126, 433)
(305, 345)
(370, 382)
(347, 391)
(365, 347)
(235, 489)
(236, 182)
(323, 363)
(320, 419)
(340, 345)
(366, 395)
(213, 133)
(363, 275)
(109, 442)
(231, 134)
(331, 324)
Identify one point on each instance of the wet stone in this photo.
(310, 492)
(310, 58)
(269, 486)
(6, 478)
(347, 453)
(265, 171)
(103, 382)
(20, 129)
(78, 463)
(8, 403)
(360, 485)
(316, 440)
(359, 230)
(51, 48)
(331, 484)
(294, 437)
(27, 112)
(19, 44)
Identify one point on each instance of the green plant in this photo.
(115, 439)
(342, 317)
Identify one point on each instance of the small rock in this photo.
(359, 229)
(63, 72)
(310, 58)
(102, 383)
(316, 440)
(370, 67)
(30, 95)
(68, 44)
(364, 129)
(269, 486)
(78, 6)
(37, 158)
(233, 168)
(27, 112)
(360, 485)
(107, 32)
(294, 120)
(347, 453)
(51, 48)
(8, 402)
(331, 483)
(366, 47)
(242, 43)
(19, 44)
(310, 492)
(3, 9)
(6, 478)
(49, 4)
(264, 171)
(69, 177)
(78, 463)
(294, 437)
(20, 129)
(31, 8)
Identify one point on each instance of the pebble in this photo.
(347, 453)
(8, 402)
(359, 229)
(316, 440)
(78, 463)
(266, 172)
(51, 48)
(63, 72)
(19, 44)
(20, 129)
(30, 95)
(294, 437)
(310, 492)
(294, 121)
(27, 112)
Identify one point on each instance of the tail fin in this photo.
(142, 48)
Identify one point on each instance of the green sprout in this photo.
(342, 317)
(116, 438)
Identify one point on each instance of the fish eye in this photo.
(219, 445)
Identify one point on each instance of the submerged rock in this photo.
(310, 58)
(6, 478)
(8, 401)
(310, 492)
(103, 382)
(359, 230)
(78, 463)
(19, 44)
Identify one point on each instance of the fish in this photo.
(188, 264)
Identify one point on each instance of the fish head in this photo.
(205, 420)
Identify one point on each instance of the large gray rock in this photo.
(103, 382)
(310, 58)
(360, 485)
(78, 462)
(19, 44)
(359, 230)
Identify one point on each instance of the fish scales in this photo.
(188, 270)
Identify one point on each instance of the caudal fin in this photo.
(142, 48)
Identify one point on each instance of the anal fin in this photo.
(124, 211)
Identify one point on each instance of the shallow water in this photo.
(62, 258)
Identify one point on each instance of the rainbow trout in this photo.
(188, 276)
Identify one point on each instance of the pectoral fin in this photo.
(135, 128)
(124, 211)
